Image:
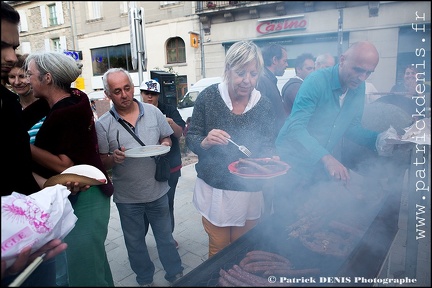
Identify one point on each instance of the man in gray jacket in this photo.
(275, 61)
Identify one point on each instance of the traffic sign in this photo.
(77, 55)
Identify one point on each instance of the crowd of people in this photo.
(246, 107)
(18, 175)
(302, 126)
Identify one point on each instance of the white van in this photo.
(185, 106)
(289, 73)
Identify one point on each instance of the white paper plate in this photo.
(147, 151)
(84, 174)
(85, 170)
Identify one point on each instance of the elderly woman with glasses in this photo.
(232, 109)
(66, 138)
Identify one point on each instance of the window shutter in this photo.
(124, 7)
(23, 21)
(59, 12)
(47, 45)
(43, 16)
(63, 43)
(25, 47)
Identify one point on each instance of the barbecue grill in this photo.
(380, 203)
(272, 235)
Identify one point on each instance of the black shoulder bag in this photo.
(163, 168)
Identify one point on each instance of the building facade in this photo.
(399, 29)
(190, 38)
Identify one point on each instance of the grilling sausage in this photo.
(273, 256)
(235, 281)
(292, 272)
(254, 280)
(256, 166)
(239, 274)
(263, 266)
(346, 228)
(327, 243)
(255, 257)
(224, 283)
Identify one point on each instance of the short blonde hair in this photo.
(240, 54)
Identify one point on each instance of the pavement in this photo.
(188, 231)
(193, 242)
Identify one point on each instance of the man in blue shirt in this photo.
(328, 106)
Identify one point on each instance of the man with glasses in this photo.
(150, 91)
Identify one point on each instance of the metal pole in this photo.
(340, 32)
(133, 37)
(139, 35)
(201, 41)
(73, 25)
(143, 40)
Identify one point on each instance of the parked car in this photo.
(185, 105)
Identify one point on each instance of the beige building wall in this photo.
(36, 35)
(161, 24)
(382, 31)
(178, 19)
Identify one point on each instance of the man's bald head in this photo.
(357, 63)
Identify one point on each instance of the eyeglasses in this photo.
(29, 74)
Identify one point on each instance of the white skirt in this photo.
(226, 207)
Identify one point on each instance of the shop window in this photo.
(111, 57)
(176, 51)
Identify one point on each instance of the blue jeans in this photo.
(172, 182)
(133, 226)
